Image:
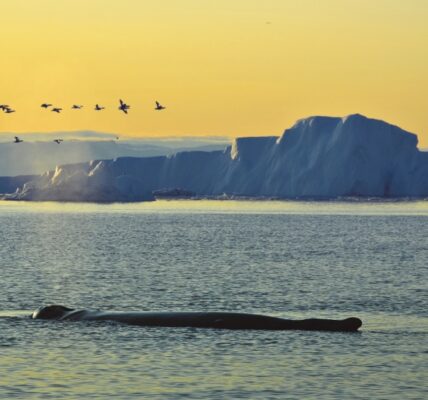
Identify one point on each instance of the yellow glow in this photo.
(226, 67)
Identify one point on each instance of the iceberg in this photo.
(318, 158)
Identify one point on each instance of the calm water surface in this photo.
(288, 259)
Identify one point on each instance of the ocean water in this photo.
(287, 259)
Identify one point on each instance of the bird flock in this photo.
(122, 107)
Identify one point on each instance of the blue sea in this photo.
(287, 259)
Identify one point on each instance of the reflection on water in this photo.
(289, 259)
(355, 207)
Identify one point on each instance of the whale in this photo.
(194, 319)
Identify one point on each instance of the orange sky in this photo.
(224, 67)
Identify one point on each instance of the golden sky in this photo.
(222, 67)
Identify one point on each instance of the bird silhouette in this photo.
(45, 105)
(4, 107)
(8, 110)
(159, 106)
(57, 110)
(99, 108)
(18, 140)
(58, 141)
(76, 107)
(124, 107)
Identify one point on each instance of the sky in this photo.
(221, 67)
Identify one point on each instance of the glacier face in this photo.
(318, 157)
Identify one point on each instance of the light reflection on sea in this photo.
(353, 207)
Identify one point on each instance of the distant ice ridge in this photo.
(318, 157)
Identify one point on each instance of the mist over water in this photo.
(288, 259)
(38, 153)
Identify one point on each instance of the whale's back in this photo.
(52, 311)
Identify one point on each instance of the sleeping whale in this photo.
(215, 320)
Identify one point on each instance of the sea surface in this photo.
(287, 259)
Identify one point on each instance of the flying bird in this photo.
(45, 105)
(8, 110)
(99, 108)
(124, 107)
(57, 110)
(159, 106)
(58, 141)
(18, 140)
(76, 107)
(4, 107)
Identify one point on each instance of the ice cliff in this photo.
(318, 157)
